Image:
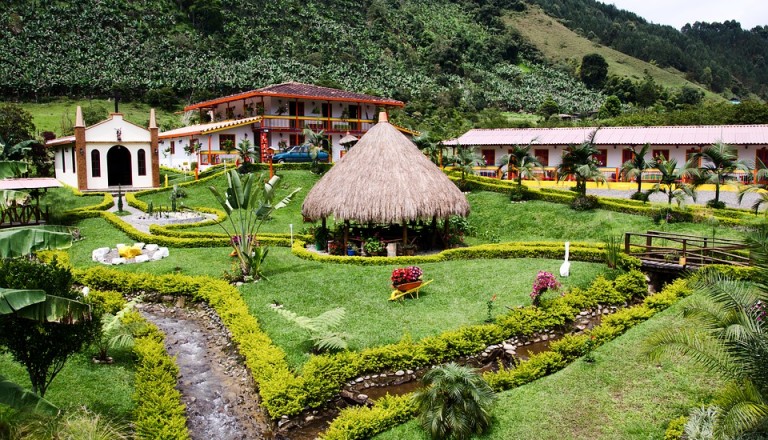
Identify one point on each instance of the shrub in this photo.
(519, 193)
(715, 204)
(363, 422)
(585, 203)
(675, 428)
(640, 196)
(631, 284)
(454, 402)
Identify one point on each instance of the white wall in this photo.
(70, 176)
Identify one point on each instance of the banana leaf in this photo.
(21, 241)
(35, 304)
(16, 397)
(12, 168)
(12, 300)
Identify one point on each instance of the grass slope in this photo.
(560, 44)
(49, 115)
(621, 396)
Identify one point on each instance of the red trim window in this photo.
(542, 154)
(762, 154)
(689, 154)
(626, 155)
(173, 147)
(660, 152)
(601, 157)
(489, 156)
(142, 162)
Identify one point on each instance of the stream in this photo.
(217, 389)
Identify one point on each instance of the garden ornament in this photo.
(565, 268)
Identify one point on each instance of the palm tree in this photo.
(671, 182)
(720, 162)
(757, 187)
(523, 162)
(315, 141)
(465, 159)
(432, 150)
(724, 330)
(635, 167)
(246, 151)
(454, 403)
(578, 161)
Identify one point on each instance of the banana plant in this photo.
(37, 305)
(252, 205)
(24, 240)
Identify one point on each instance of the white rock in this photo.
(399, 373)
(86, 290)
(160, 254)
(139, 245)
(118, 261)
(151, 247)
(99, 254)
(119, 245)
(141, 258)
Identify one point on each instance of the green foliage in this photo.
(585, 203)
(322, 329)
(675, 428)
(579, 162)
(363, 422)
(163, 98)
(42, 347)
(537, 366)
(610, 108)
(455, 402)
(15, 124)
(93, 114)
(252, 202)
(159, 412)
(594, 70)
(548, 107)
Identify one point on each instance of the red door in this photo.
(490, 157)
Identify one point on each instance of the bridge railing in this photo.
(685, 250)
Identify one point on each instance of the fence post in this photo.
(626, 243)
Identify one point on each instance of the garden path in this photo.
(217, 389)
(141, 221)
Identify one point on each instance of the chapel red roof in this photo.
(300, 91)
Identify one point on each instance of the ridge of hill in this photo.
(559, 44)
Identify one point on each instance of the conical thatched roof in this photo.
(384, 179)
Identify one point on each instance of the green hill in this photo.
(560, 44)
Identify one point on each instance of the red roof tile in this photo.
(299, 90)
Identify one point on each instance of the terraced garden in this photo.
(621, 395)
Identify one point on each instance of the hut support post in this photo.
(324, 233)
(434, 232)
(346, 236)
(446, 231)
(405, 234)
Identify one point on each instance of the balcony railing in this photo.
(285, 122)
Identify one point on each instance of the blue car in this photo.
(299, 153)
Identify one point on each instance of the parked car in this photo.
(299, 153)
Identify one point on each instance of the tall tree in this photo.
(16, 124)
(594, 70)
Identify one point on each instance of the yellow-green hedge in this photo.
(158, 413)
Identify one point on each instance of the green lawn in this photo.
(457, 297)
(105, 389)
(199, 195)
(493, 215)
(621, 396)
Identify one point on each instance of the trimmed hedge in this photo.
(159, 413)
(588, 252)
(362, 423)
(696, 214)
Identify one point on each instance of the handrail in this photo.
(693, 250)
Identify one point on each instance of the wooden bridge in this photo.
(668, 252)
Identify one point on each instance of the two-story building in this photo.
(271, 118)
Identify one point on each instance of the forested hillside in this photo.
(722, 56)
(430, 53)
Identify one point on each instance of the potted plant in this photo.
(404, 279)
(228, 146)
(281, 110)
(374, 247)
(352, 250)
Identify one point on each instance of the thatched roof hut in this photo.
(384, 179)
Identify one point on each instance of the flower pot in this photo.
(408, 286)
(682, 261)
